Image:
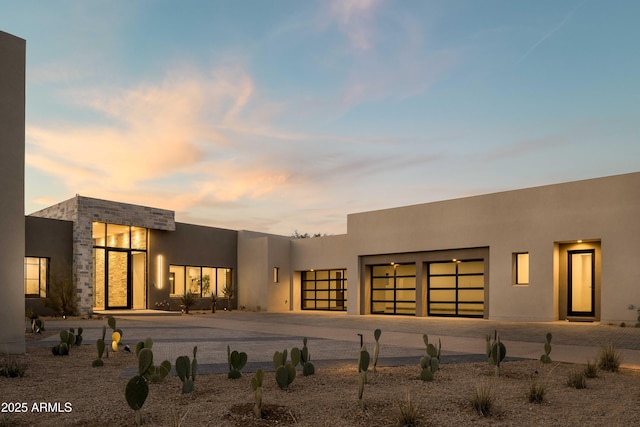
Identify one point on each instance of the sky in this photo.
(285, 115)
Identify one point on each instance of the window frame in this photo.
(396, 279)
(517, 267)
(214, 285)
(311, 277)
(40, 278)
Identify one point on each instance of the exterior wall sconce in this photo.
(276, 274)
(160, 272)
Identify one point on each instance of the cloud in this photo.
(149, 131)
(355, 18)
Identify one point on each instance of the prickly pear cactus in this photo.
(429, 366)
(496, 351)
(136, 393)
(376, 348)
(256, 385)
(185, 369)
(305, 359)
(363, 365)
(236, 361)
(285, 375)
(296, 356)
(545, 358)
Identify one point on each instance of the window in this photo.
(202, 281)
(35, 277)
(324, 290)
(521, 268)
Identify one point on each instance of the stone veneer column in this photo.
(12, 228)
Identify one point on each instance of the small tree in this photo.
(229, 291)
(62, 294)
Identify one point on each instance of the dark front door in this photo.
(118, 284)
(581, 282)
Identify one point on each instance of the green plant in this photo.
(547, 349)
(482, 400)
(100, 344)
(187, 370)
(303, 357)
(229, 291)
(187, 300)
(256, 385)
(37, 325)
(285, 372)
(236, 362)
(376, 348)
(155, 373)
(363, 365)
(214, 301)
(537, 392)
(137, 389)
(591, 369)
(67, 340)
(407, 413)
(576, 379)
(11, 368)
(62, 295)
(609, 358)
(430, 362)
(496, 351)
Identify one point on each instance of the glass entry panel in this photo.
(139, 279)
(581, 283)
(117, 279)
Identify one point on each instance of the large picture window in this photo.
(393, 289)
(324, 290)
(201, 281)
(36, 273)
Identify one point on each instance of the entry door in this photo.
(581, 282)
(118, 292)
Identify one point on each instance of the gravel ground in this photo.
(76, 394)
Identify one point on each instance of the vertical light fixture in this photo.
(159, 272)
(276, 274)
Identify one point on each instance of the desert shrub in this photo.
(62, 296)
(407, 413)
(576, 379)
(482, 400)
(11, 368)
(537, 392)
(187, 301)
(591, 369)
(609, 358)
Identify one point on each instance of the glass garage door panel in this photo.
(456, 288)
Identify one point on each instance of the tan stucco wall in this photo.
(258, 254)
(12, 225)
(531, 220)
(319, 253)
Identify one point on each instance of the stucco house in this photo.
(563, 251)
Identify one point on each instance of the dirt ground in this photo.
(67, 390)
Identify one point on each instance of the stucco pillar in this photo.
(12, 228)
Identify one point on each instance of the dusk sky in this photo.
(284, 115)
